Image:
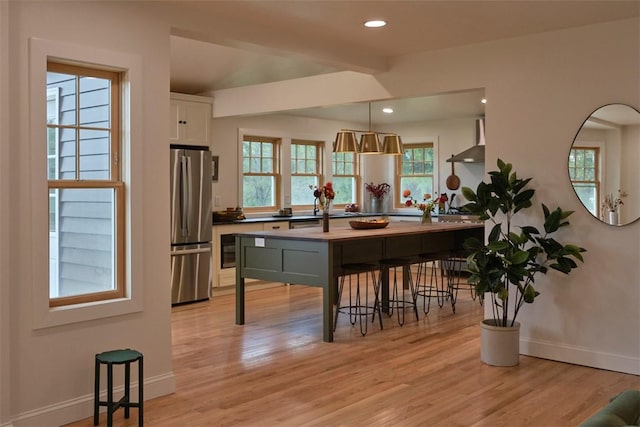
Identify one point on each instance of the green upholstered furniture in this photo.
(622, 410)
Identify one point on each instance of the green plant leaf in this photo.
(530, 294)
(494, 234)
(468, 194)
(497, 246)
(519, 257)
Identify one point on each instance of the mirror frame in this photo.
(619, 140)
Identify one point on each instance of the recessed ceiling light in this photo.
(483, 100)
(377, 23)
(387, 110)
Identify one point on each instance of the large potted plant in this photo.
(506, 265)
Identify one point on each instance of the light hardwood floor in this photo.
(276, 371)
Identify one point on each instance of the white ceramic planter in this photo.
(499, 345)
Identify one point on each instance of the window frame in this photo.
(276, 174)
(597, 182)
(319, 165)
(132, 120)
(398, 202)
(356, 176)
(53, 95)
(113, 182)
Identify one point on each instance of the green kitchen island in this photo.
(309, 256)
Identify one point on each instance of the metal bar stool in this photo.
(432, 281)
(398, 300)
(358, 307)
(118, 357)
(453, 267)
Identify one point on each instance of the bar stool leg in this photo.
(396, 297)
(338, 299)
(109, 395)
(376, 301)
(127, 379)
(140, 393)
(96, 393)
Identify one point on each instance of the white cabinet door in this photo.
(196, 123)
(190, 122)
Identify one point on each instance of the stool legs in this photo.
(140, 393)
(127, 378)
(358, 305)
(430, 285)
(397, 300)
(109, 394)
(453, 268)
(96, 393)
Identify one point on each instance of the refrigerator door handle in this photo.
(183, 196)
(189, 195)
(191, 251)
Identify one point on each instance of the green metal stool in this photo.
(117, 357)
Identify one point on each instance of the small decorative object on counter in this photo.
(442, 200)
(324, 195)
(325, 222)
(352, 207)
(377, 192)
(427, 206)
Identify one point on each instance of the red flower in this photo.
(428, 205)
(324, 194)
(378, 191)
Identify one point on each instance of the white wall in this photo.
(450, 136)
(5, 212)
(50, 376)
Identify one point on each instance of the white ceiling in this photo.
(255, 42)
(613, 116)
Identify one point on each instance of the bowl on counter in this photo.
(368, 224)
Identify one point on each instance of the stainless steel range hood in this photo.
(474, 154)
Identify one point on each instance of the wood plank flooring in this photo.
(276, 371)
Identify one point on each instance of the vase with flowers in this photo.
(323, 196)
(377, 193)
(427, 206)
(610, 205)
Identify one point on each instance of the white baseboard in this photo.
(580, 356)
(82, 407)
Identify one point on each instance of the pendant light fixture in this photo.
(346, 142)
(369, 141)
(392, 145)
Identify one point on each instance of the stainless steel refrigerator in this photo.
(190, 224)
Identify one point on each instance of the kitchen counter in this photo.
(315, 258)
(302, 218)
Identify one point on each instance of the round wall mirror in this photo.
(604, 164)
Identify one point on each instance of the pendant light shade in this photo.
(345, 142)
(369, 143)
(392, 145)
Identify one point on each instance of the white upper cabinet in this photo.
(190, 120)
